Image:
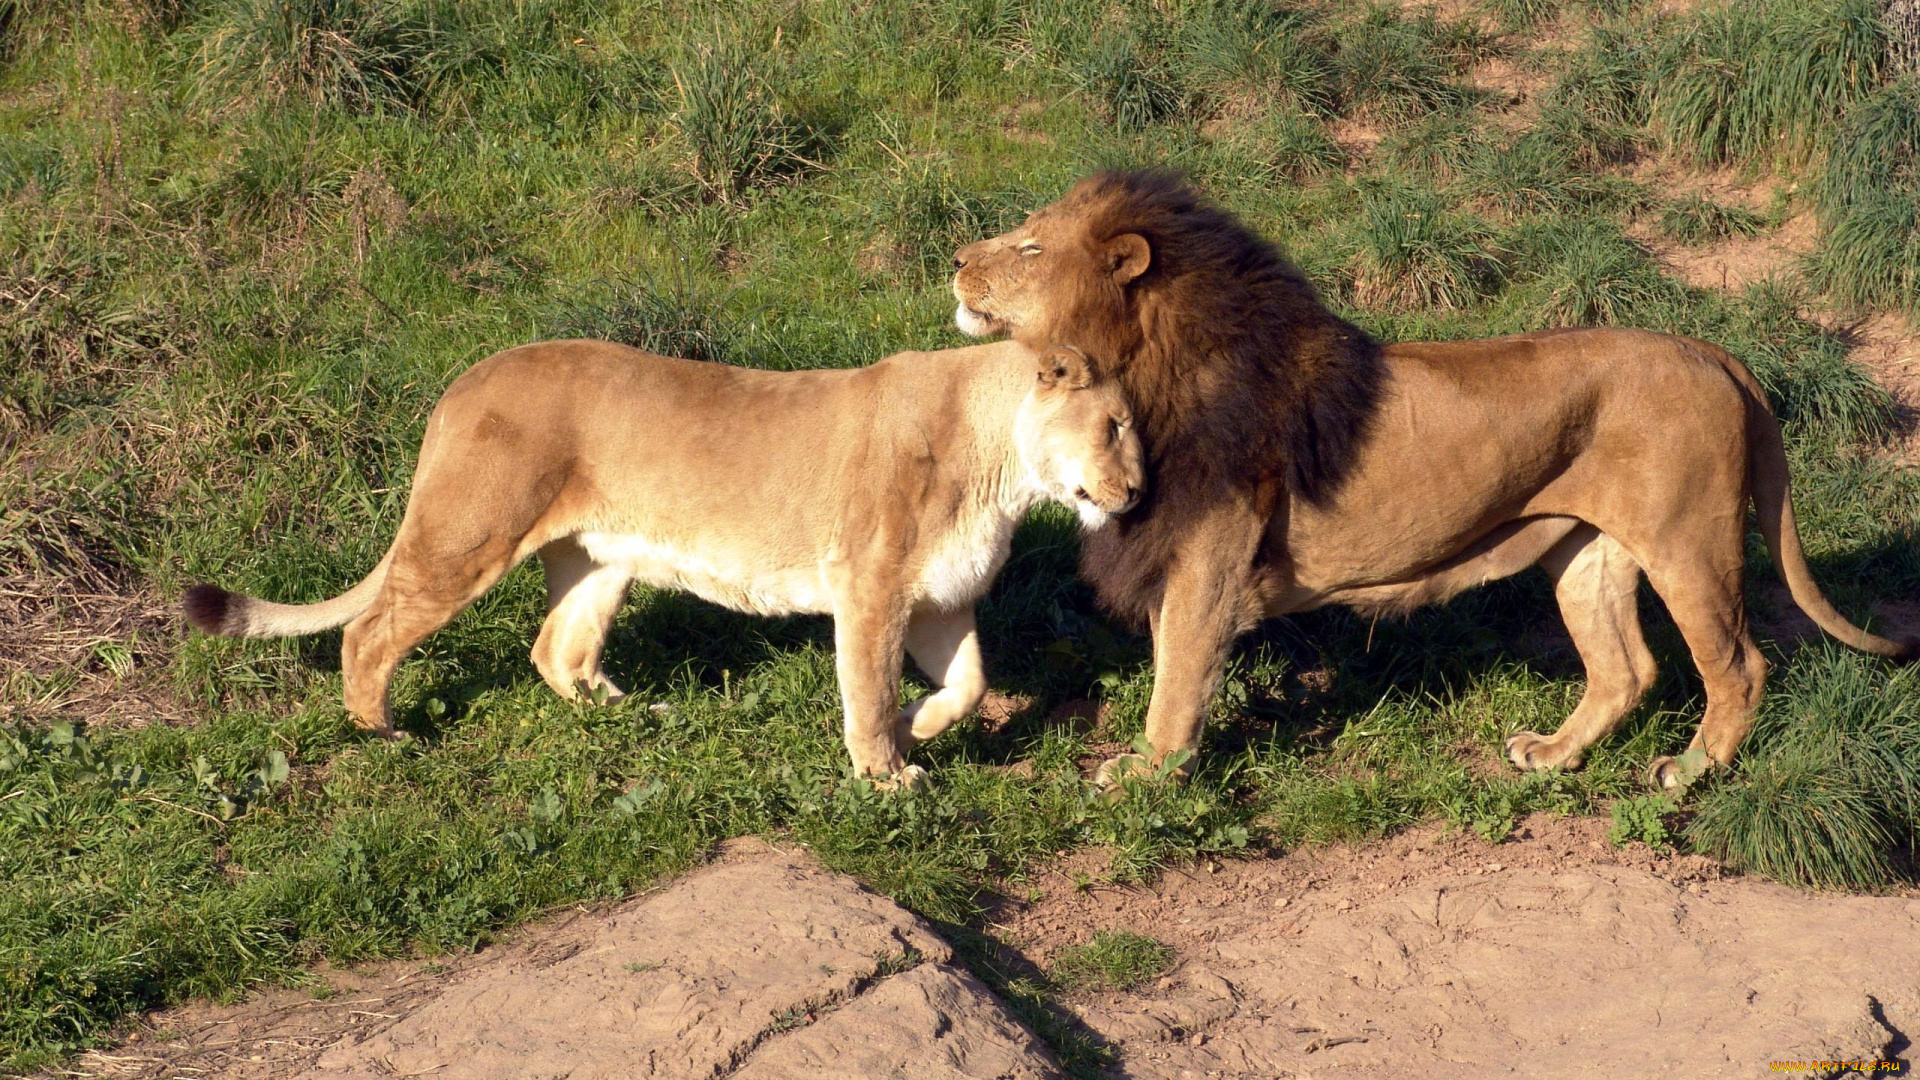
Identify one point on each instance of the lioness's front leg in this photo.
(946, 645)
(1206, 603)
(869, 637)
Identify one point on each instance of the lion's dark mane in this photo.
(1237, 373)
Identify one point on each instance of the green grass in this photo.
(1867, 195)
(1763, 79)
(245, 246)
(1111, 960)
(1693, 219)
(1415, 252)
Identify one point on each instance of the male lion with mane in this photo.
(885, 496)
(1296, 463)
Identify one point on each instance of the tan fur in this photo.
(885, 496)
(1599, 454)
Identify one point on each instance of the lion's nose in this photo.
(958, 262)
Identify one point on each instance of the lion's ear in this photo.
(1128, 256)
(1064, 368)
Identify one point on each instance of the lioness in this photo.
(886, 496)
(1296, 463)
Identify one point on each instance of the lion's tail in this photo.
(1773, 507)
(216, 611)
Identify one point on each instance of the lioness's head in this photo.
(1067, 266)
(1074, 434)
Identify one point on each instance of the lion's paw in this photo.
(1676, 774)
(1533, 751)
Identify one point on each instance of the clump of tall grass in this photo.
(1868, 197)
(1441, 145)
(1586, 272)
(1763, 79)
(1521, 14)
(1536, 172)
(737, 132)
(1871, 256)
(1590, 140)
(1695, 219)
(1802, 365)
(1875, 150)
(1514, 15)
(1827, 789)
(1414, 252)
(1256, 50)
(1130, 79)
(1293, 147)
(1599, 102)
(358, 54)
(674, 319)
(1395, 66)
(931, 214)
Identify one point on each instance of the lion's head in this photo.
(1237, 374)
(1066, 267)
(1218, 339)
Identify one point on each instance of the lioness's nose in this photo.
(961, 256)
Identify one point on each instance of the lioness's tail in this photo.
(1773, 508)
(216, 611)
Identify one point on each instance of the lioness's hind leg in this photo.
(583, 596)
(1703, 593)
(1597, 584)
(946, 645)
(422, 594)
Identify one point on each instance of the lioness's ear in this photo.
(1065, 368)
(1128, 256)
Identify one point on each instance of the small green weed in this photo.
(1641, 819)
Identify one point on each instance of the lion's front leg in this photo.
(1208, 601)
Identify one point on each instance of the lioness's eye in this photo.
(1030, 249)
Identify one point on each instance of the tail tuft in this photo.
(207, 607)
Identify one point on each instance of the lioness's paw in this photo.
(1531, 750)
(1111, 770)
(913, 776)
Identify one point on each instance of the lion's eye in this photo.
(1029, 249)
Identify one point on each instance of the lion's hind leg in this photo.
(1596, 583)
(583, 596)
(946, 645)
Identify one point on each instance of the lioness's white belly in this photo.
(962, 564)
(712, 575)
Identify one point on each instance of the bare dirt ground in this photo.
(1438, 954)
(1434, 953)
